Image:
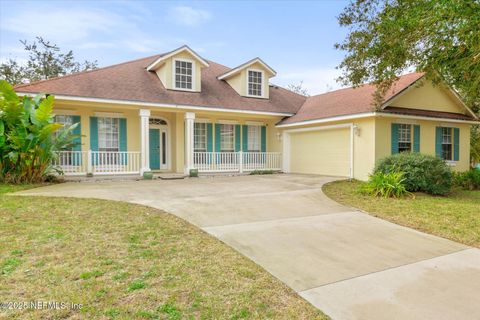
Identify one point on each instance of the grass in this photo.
(456, 217)
(125, 261)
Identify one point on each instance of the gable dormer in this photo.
(180, 69)
(250, 79)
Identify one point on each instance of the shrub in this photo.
(385, 185)
(468, 180)
(27, 141)
(421, 172)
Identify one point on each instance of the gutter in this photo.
(160, 105)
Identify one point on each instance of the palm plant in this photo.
(28, 144)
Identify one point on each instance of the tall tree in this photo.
(387, 37)
(45, 61)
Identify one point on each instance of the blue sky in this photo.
(295, 38)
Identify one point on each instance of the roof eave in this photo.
(245, 65)
(157, 63)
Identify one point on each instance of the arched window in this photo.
(157, 121)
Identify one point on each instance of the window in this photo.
(63, 119)
(108, 134)
(254, 138)
(183, 75)
(254, 83)
(157, 122)
(447, 144)
(227, 137)
(200, 137)
(404, 138)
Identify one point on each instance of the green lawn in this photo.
(124, 261)
(456, 217)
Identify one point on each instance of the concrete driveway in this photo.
(347, 263)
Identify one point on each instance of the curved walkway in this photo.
(347, 263)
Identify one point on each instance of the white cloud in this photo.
(315, 80)
(63, 25)
(189, 16)
(83, 29)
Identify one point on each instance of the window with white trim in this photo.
(65, 120)
(183, 75)
(227, 138)
(447, 144)
(200, 137)
(254, 83)
(108, 134)
(404, 137)
(254, 138)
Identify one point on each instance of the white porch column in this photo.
(189, 123)
(145, 141)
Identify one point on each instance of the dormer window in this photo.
(183, 75)
(255, 83)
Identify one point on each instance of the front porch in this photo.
(168, 143)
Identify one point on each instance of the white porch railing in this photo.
(72, 162)
(98, 162)
(105, 163)
(237, 161)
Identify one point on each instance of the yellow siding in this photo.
(165, 72)
(325, 152)
(239, 81)
(133, 124)
(427, 139)
(175, 119)
(429, 97)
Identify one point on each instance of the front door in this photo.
(154, 149)
(158, 148)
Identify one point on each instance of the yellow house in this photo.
(177, 111)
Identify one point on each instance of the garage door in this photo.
(324, 152)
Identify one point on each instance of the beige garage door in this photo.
(324, 152)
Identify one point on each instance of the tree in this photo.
(27, 140)
(45, 61)
(298, 88)
(387, 37)
(440, 38)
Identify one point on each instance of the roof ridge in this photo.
(83, 72)
(365, 84)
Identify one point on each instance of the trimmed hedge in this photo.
(421, 172)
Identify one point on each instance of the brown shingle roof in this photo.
(131, 81)
(347, 101)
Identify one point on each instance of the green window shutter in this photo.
(217, 137)
(264, 139)
(438, 142)
(94, 133)
(209, 137)
(456, 144)
(245, 138)
(123, 140)
(395, 127)
(238, 144)
(123, 134)
(77, 131)
(94, 138)
(416, 138)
